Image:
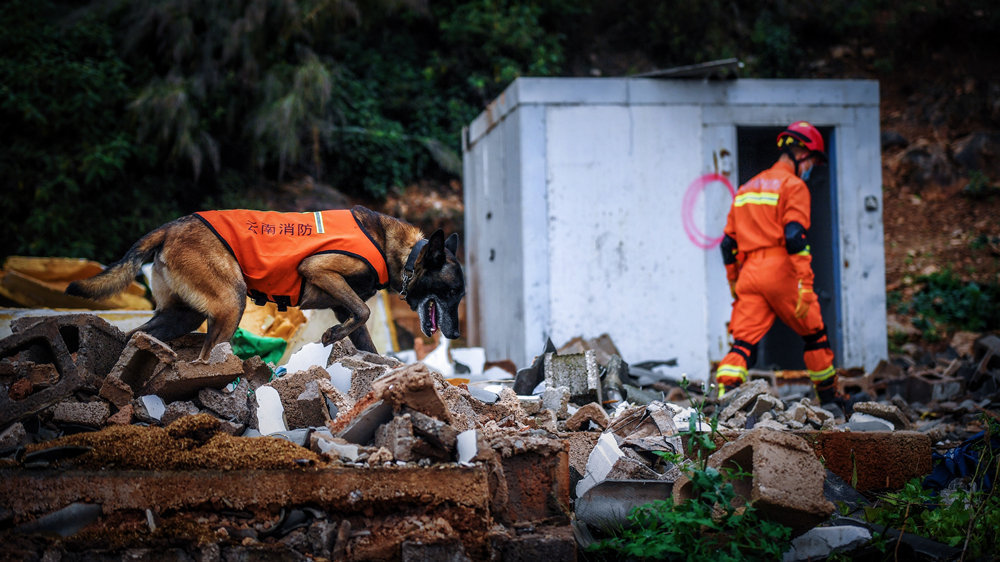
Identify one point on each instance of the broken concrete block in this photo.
(929, 386)
(360, 375)
(270, 412)
(13, 436)
(887, 412)
(183, 379)
(785, 479)
(233, 405)
(309, 411)
(93, 414)
(530, 404)
(95, 343)
(336, 401)
(546, 419)
(579, 372)
(43, 337)
(177, 410)
(256, 372)
(337, 448)
(587, 413)
(359, 424)
(743, 398)
(556, 399)
(397, 437)
(412, 386)
(765, 403)
(434, 431)
(141, 357)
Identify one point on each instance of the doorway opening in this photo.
(757, 150)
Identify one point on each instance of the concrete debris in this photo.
(398, 461)
(578, 372)
(783, 478)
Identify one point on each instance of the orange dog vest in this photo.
(269, 246)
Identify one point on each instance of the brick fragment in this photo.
(412, 386)
(592, 412)
(873, 460)
(123, 416)
(94, 342)
(536, 473)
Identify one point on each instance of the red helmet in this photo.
(802, 133)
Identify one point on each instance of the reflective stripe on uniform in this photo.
(756, 198)
(731, 371)
(319, 222)
(820, 376)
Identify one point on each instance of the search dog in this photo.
(206, 264)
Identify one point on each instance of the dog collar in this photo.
(411, 261)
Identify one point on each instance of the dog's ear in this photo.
(452, 244)
(434, 256)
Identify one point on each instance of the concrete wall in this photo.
(575, 215)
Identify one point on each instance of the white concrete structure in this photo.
(595, 205)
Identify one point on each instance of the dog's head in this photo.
(437, 286)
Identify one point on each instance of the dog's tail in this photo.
(118, 275)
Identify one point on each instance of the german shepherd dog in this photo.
(197, 274)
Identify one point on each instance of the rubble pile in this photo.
(117, 446)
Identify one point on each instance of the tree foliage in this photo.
(118, 115)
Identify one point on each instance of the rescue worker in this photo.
(768, 263)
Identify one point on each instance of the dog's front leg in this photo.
(351, 310)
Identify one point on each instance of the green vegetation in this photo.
(946, 302)
(714, 524)
(966, 518)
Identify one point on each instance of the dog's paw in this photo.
(331, 336)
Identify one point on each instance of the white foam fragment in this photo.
(496, 374)
(438, 360)
(467, 445)
(154, 406)
(270, 411)
(340, 376)
(311, 354)
(472, 357)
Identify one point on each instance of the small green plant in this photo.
(946, 301)
(966, 518)
(712, 525)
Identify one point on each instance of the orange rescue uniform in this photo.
(767, 278)
(269, 246)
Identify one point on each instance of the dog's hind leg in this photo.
(224, 318)
(172, 322)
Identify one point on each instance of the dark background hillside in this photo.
(118, 116)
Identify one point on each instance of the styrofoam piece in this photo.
(407, 356)
(340, 376)
(270, 411)
(600, 462)
(496, 373)
(472, 357)
(438, 360)
(467, 445)
(682, 420)
(311, 354)
(866, 422)
(154, 405)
